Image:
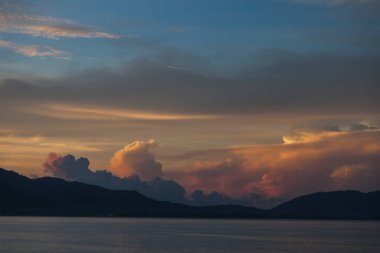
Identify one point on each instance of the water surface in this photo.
(114, 235)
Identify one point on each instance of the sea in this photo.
(145, 235)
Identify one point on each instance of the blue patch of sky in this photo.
(208, 28)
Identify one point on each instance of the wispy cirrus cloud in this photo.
(22, 144)
(64, 111)
(48, 27)
(34, 50)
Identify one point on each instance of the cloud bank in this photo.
(289, 83)
(260, 176)
(70, 168)
(77, 169)
(329, 161)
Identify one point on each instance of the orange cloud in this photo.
(135, 158)
(347, 160)
(308, 136)
(65, 111)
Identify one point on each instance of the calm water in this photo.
(111, 235)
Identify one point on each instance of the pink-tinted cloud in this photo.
(255, 175)
(136, 158)
(48, 27)
(324, 162)
(33, 50)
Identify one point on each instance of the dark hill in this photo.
(48, 196)
(333, 205)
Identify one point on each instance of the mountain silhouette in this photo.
(334, 205)
(20, 195)
(48, 196)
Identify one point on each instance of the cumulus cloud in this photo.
(261, 176)
(77, 169)
(70, 168)
(34, 50)
(67, 167)
(135, 158)
(48, 27)
(348, 160)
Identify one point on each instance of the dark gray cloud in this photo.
(361, 127)
(283, 82)
(70, 168)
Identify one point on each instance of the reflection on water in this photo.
(111, 235)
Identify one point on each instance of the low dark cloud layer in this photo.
(283, 82)
(70, 168)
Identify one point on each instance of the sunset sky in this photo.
(276, 98)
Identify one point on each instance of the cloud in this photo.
(28, 143)
(305, 136)
(48, 27)
(70, 168)
(261, 176)
(348, 160)
(21, 152)
(362, 126)
(320, 132)
(67, 166)
(71, 111)
(135, 158)
(33, 50)
(20, 140)
(316, 84)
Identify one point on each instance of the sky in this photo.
(201, 102)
